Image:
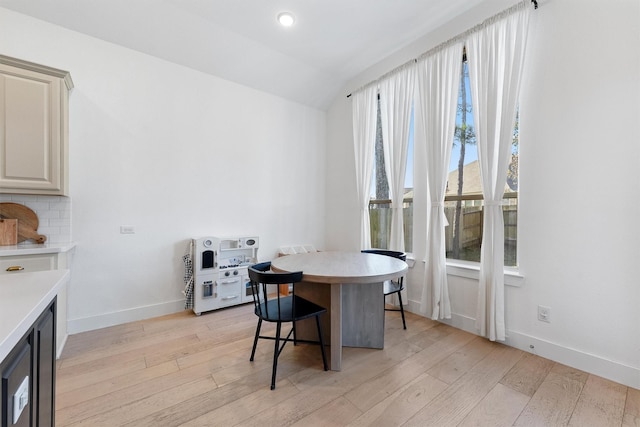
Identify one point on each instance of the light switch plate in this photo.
(20, 399)
(127, 229)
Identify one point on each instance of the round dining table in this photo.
(349, 286)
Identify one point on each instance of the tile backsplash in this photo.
(54, 214)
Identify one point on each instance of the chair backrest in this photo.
(261, 273)
(394, 254)
(261, 276)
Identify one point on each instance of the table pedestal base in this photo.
(359, 308)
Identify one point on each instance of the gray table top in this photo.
(341, 267)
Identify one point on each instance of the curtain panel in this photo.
(364, 108)
(495, 56)
(438, 81)
(396, 105)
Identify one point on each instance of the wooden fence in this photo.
(471, 225)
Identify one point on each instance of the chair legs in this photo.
(324, 356)
(276, 353)
(277, 349)
(404, 324)
(255, 340)
(401, 310)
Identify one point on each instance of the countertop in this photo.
(23, 297)
(35, 248)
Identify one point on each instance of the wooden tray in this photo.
(8, 232)
(27, 221)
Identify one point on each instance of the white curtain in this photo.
(396, 103)
(495, 55)
(364, 107)
(438, 82)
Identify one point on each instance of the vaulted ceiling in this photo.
(331, 41)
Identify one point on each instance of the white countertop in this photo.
(23, 297)
(35, 249)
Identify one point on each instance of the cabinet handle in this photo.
(15, 268)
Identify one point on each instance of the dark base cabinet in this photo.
(16, 385)
(28, 374)
(45, 367)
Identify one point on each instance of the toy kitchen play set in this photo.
(220, 277)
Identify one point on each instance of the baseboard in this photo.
(118, 317)
(465, 323)
(596, 365)
(609, 369)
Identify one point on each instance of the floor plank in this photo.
(632, 404)
(111, 401)
(452, 406)
(500, 407)
(335, 413)
(117, 383)
(241, 409)
(187, 370)
(396, 409)
(458, 363)
(601, 403)
(554, 401)
(528, 374)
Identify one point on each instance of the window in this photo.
(380, 203)
(463, 197)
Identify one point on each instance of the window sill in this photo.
(471, 270)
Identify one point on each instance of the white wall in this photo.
(579, 186)
(177, 154)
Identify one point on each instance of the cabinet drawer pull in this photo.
(15, 268)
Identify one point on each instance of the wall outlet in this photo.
(544, 314)
(20, 399)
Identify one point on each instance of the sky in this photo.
(471, 152)
(471, 155)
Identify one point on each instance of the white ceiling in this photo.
(331, 42)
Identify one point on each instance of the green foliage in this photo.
(464, 134)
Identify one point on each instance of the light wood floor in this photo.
(183, 370)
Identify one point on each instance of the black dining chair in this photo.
(272, 306)
(395, 286)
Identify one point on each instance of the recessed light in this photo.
(286, 19)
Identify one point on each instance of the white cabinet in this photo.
(19, 264)
(34, 119)
(27, 263)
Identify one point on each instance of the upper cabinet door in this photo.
(33, 129)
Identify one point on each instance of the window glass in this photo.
(463, 197)
(380, 203)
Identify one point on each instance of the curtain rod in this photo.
(415, 60)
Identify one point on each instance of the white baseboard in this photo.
(609, 369)
(593, 364)
(118, 317)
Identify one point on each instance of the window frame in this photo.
(479, 196)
